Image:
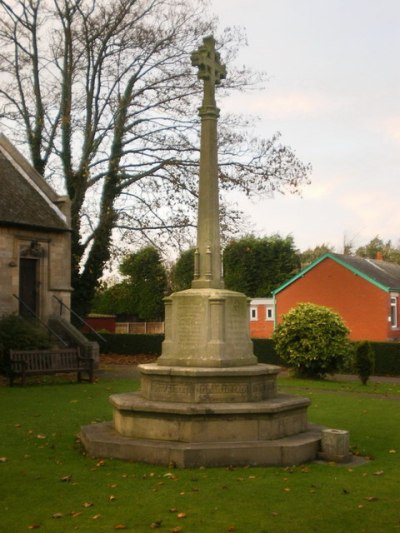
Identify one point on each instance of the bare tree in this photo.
(103, 94)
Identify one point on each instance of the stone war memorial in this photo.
(206, 401)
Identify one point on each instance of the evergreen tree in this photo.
(256, 266)
(142, 291)
(183, 271)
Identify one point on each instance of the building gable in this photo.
(382, 274)
(26, 199)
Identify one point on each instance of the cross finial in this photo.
(207, 59)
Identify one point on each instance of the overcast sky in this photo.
(334, 94)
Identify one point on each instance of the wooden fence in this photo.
(149, 328)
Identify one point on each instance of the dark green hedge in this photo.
(135, 344)
(265, 352)
(129, 344)
(387, 358)
(387, 354)
(17, 333)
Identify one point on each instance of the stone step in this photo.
(101, 440)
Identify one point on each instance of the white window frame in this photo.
(269, 313)
(253, 312)
(393, 312)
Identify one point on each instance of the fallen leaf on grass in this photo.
(371, 498)
(3, 459)
(379, 473)
(66, 478)
(57, 515)
(170, 475)
(392, 451)
(75, 514)
(96, 516)
(231, 528)
(87, 504)
(120, 526)
(112, 498)
(34, 526)
(181, 515)
(176, 529)
(156, 524)
(41, 436)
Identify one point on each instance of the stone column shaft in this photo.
(208, 271)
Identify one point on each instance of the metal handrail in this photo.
(79, 318)
(52, 332)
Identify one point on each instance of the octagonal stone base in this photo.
(195, 417)
(102, 440)
(251, 383)
(199, 416)
(137, 417)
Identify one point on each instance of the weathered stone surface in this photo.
(205, 385)
(279, 417)
(35, 226)
(102, 440)
(335, 445)
(207, 328)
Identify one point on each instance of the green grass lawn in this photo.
(48, 483)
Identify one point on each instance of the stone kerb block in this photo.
(335, 445)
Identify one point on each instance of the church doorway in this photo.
(28, 287)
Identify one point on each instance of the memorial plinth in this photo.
(207, 328)
(207, 401)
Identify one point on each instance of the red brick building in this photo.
(262, 316)
(365, 292)
(100, 323)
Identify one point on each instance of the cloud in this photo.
(324, 186)
(392, 127)
(291, 104)
(375, 211)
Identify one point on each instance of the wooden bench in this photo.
(44, 362)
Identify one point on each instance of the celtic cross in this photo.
(207, 59)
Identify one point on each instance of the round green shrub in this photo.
(364, 361)
(17, 333)
(313, 340)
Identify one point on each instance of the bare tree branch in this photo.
(104, 96)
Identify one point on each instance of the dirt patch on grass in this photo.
(118, 359)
